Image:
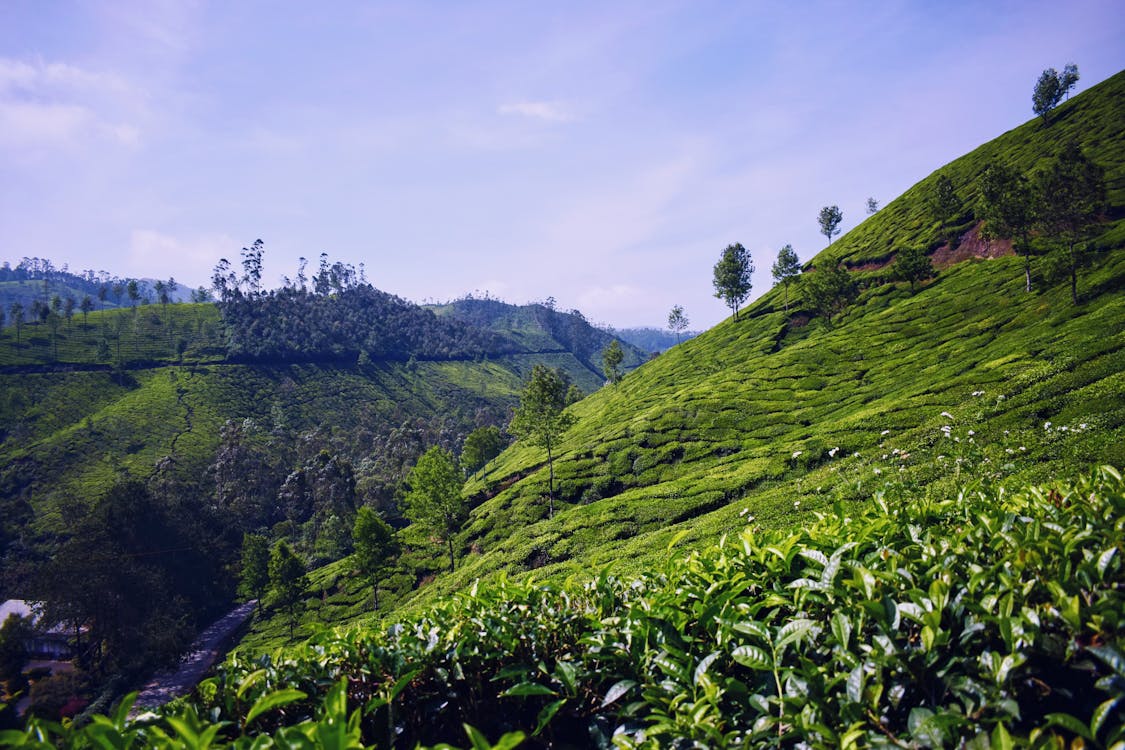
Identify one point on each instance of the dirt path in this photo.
(206, 650)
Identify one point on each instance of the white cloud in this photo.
(153, 253)
(58, 104)
(546, 111)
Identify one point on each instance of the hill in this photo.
(652, 339)
(777, 416)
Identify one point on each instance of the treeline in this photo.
(332, 315)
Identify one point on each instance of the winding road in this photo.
(206, 650)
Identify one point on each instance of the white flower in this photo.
(796, 454)
(743, 512)
(832, 453)
(947, 415)
(971, 432)
(1022, 448)
(878, 471)
(1082, 426)
(855, 455)
(1009, 450)
(1046, 425)
(885, 432)
(796, 503)
(1064, 428)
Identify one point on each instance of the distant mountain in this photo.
(652, 339)
(543, 329)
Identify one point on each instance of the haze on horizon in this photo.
(600, 155)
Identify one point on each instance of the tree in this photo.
(828, 290)
(481, 446)
(787, 268)
(1049, 91)
(16, 311)
(733, 276)
(134, 291)
(288, 581)
(433, 500)
(1008, 209)
(829, 219)
(677, 321)
(541, 418)
(611, 361)
(943, 203)
(913, 265)
(375, 546)
(86, 306)
(1071, 194)
(872, 206)
(1068, 78)
(255, 575)
(15, 633)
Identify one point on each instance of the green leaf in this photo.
(1070, 724)
(1111, 656)
(794, 631)
(1104, 560)
(525, 689)
(703, 666)
(1101, 713)
(842, 629)
(249, 682)
(855, 684)
(753, 657)
(546, 714)
(273, 700)
(617, 690)
(480, 742)
(567, 674)
(1000, 739)
(756, 629)
(676, 539)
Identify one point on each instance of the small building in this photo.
(49, 643)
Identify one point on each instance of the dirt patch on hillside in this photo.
(970, 245)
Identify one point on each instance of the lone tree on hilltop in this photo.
(677, 321)
(732, 276)
(872, 206)
(1050, 89)
(787, 268)
(829, 219)
(943, 203)
(434, 500)
(612, 358)
(1008, 209)
(375, 546)
(913, 265)
(541, 418)
(288, 581)
(1071, 195)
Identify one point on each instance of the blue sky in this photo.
(601, 153)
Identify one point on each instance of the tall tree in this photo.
(943, 203)
(375, 546)
(913, 265)
(16, 311)
(433, 500)
(255, 573)
(872, 206)
(1071, 195)
(68, 310)
(732, 277)
(829, 220)
(86, 306)
(1049, 91)
(611, 361)
(787, 268)
(828, 290)
(542, 418)
(1008, 209)
(134, 291)
(677, 321)
(288, 582)
(481, 446)
(1069, 78)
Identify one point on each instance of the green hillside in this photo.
(777, 416)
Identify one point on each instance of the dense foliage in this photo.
(987, 618)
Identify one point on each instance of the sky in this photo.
(601, 153)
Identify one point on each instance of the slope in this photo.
(775, 417)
